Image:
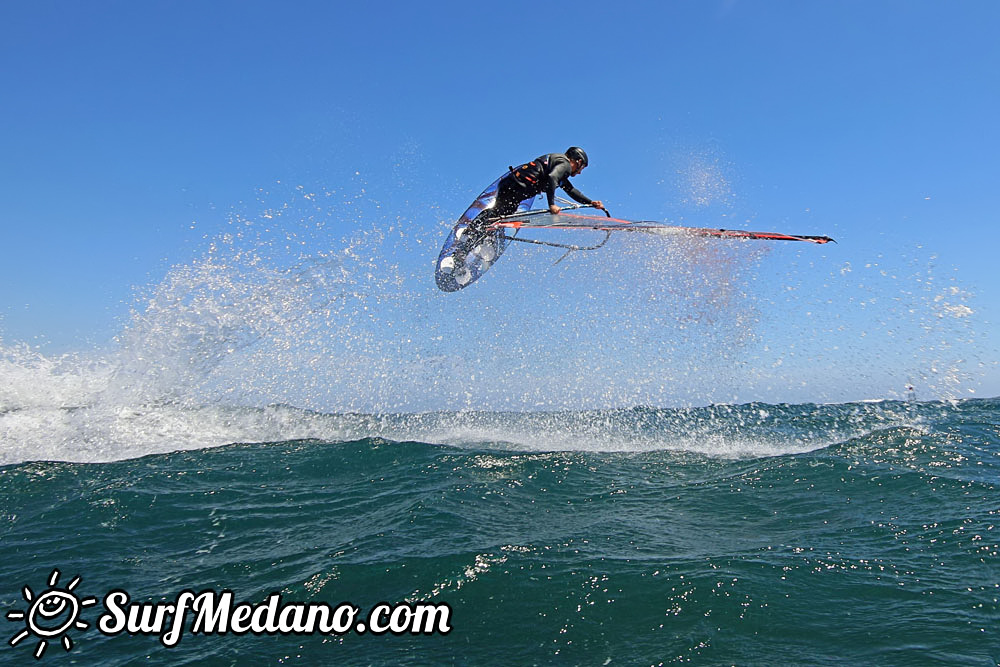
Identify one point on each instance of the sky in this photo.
(132, 134)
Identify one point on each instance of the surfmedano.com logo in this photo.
(54, 612)
(50, 615)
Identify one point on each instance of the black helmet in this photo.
(577, 153)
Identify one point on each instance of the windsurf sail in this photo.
(571, 218)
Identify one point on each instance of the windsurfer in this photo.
(543, 174)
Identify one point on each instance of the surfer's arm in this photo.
(556, 179)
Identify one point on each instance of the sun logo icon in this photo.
(51, 614)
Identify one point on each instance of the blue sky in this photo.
(132, 132)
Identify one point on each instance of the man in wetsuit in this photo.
(543, 174)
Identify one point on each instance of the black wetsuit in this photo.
(543, 174)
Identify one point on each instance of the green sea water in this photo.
(755, 534)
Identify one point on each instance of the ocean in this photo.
(853, 533)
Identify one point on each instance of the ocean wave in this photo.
(879, 431)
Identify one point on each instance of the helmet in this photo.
(577, 153)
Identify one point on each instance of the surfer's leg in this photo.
(475, 232)
(510, 194)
